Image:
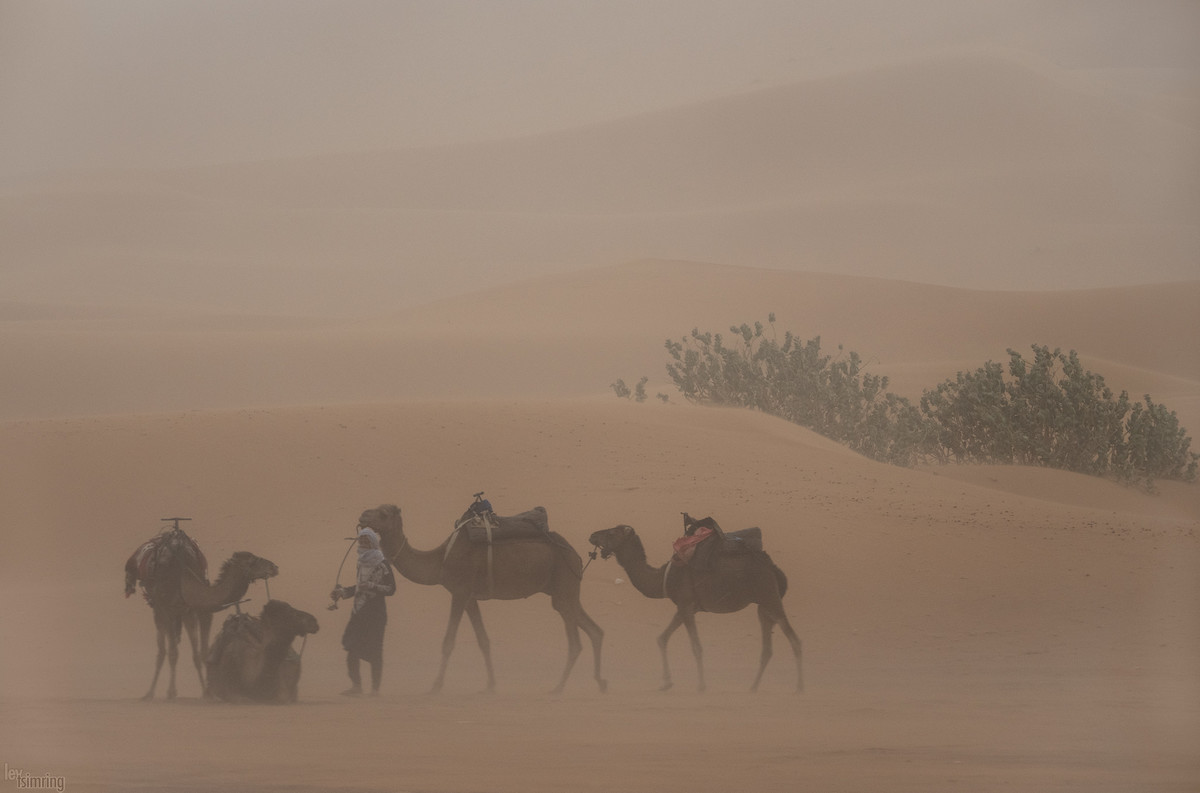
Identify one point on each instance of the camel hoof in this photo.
(603, 686)
(666, 686)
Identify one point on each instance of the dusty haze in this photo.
(267, 265)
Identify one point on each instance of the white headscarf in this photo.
(369, 557)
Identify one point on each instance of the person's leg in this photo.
(352, 668)
(376, 674)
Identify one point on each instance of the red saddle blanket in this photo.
(685, 547)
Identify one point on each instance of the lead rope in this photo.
(337, 581)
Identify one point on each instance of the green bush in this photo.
(1049, 411)
(796, 381)
(1053, 412)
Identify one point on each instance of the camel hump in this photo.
(237, 627)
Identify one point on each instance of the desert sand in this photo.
(975, 628)
(271, 344)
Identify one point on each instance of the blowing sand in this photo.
(271, 346)
(981, 628)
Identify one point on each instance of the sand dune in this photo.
(572, 335)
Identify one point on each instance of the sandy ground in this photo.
(981, 629)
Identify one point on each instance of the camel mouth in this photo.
(598, 542)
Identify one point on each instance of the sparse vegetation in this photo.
(1049, 411)
(796, 381)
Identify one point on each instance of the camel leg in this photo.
(663, 638)
(794, 640)
(574, 648)
(204, 620)
(596, 635)
(192, 628)
(172, 658)
(767, 623)
(161, 638)
(481, 638)
(689, 622)
(457, 605)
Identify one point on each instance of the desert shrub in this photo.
(795, 380)
(1047, 411)
(1051, 411)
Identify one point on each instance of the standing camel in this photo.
(252, 658)
(730, 583)
(183, 599)
(508, 570)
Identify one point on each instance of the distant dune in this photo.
(572, 335)
(977, 170)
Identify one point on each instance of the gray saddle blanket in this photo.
(742, 541)
(531, 525)
(729, 543)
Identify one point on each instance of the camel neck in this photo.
(199, 593)
(645, 579)
(420, 567)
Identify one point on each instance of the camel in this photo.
(182, 599)
(729, 584)
(252, 659)
(509, 570)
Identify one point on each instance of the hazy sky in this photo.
(164, 83)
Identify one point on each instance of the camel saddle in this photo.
(703, 539)
(157, 553)
(531, 525)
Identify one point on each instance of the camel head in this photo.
(280, 618)
(386, 521)
(251, 567)
(609, 541)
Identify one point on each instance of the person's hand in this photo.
(336, 594)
